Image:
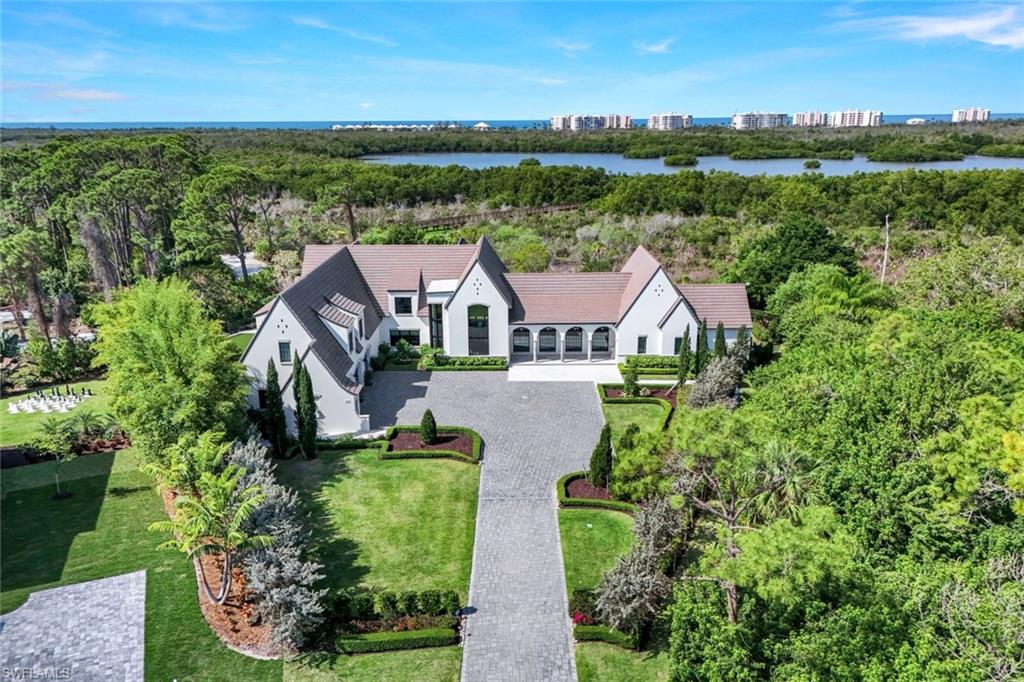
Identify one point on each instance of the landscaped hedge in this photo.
(430, 454)
(394, 641)
(603, 633)
(361, 604)
(653, 362)
(565, 501)
(650, 400)
(348, 443)
(464, 363)
(650, 371)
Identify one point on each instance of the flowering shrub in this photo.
(581, 619)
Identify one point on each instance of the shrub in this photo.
(630, 594)
(428, 428)
(700, 359)
(601, 459)
(603, 633)
(442, 362)
(394, 641)
(629, 385)
(385, 604)
(627, 441)
(404, 352)
(641, 362)
(353, 604)
(565, 501)
(275, 423)
(582, 601)
(681, 160)
(717, 384)
(684, 360)
(720, 345)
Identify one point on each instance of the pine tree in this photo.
(601, 459)
(720, 346)
(277, 432)
(684, 357)
(428, 428)
(701, 359)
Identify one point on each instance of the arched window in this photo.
(601, 340)
(521, 340)
(574, 340)
(547, 340)
(479, 341)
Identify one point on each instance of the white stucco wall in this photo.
(676, 326)
(337, 409)
(476, 289)
(643, 318)
(280, 325)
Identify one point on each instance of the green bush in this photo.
(629, 385)
(627, 441)
(562, 488)
(681, 160)
(361, 604)
(464, 362)
(428, 428)
(473, 458)
(652, 361)
(603, 633)
(601, 459)
(395, 641)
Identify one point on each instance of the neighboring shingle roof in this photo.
(584, 297)
(315, 254)
(641, 267)
(725, 303)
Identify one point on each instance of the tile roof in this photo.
(584, 297)
(641, 267)
(393, 267)
(725, 303)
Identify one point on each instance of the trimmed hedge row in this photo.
(651, 371)
(603, 633)
(359, 604)
(638, 362)
(565, 501)
(395, 641)
(464, 363)
(650, 400)
(430, 454)
(346, 443)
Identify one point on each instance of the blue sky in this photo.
(89, 61)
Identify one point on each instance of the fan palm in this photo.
(213, 522)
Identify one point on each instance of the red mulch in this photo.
(410, 440)
(581, 488)
(229, 621)
(665, 393)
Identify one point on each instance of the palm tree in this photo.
(856, 297)
(185, 462)
(213, 522)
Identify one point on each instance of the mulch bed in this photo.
(664, 393)
(410, 440)
(581, 488)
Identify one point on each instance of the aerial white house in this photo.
(350, 299)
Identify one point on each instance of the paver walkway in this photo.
(89, 631)
(533, 434)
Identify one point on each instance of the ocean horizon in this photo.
(522, 124)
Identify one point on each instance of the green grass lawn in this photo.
(402, 524)
(592, 539)
(241, 340)
(600, 662)
(16, 429)
(442, 664)
(647, 416)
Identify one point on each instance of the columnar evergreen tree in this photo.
(685, 357)
(601, 459)
(277, 428)
(428, 428)
(720, 346)
(297, 371)
(741, 347)
(307, 421)
(701, 356)
(629, 386)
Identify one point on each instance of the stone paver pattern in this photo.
(90, 631)
(596, 372)
(533, 433)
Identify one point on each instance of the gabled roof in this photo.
(407, 267)
(487, 258)
(725, 303)
(584, 297)
(641, 268)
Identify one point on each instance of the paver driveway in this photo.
(533, 434)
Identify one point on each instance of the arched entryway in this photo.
(521, 340)
(547, 340)
(574, 340)
(479, 330)
(601, 340)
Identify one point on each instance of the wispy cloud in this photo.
(546, 80)
(570, 48)
(653, 47)
(997, 28)
(317, 23)
(366, 105)
(58, 91)
(202, 17)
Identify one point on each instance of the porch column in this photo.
(535, 339)
(561, 345)
(590, 345)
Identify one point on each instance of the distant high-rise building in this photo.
(855, 118)
(752, 120)
(972, 115)
(671, 121)
(808, 119)
(577, 122)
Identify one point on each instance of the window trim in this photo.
(394, 335)
(529, 340)
(291, 353)
(677, 345)
(641, 345)
(394, 305)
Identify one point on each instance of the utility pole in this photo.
(885, 252)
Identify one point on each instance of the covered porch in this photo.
(562, 343)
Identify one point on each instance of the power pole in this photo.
(885, 252)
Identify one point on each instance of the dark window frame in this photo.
(410, 335)
(677, 345)
(641, 345)
(547, 331)
(281, 347)
(516, 346)
(401, 302)
(576, 335)
(601, 334)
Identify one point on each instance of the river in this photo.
(614, 163)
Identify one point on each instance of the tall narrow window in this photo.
(641, 345)
(521, 340)
(284, 352)
(479, 341)
(677, 344)
(436, 326)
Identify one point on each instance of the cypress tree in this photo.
(684, 357)
(276, 426)
(629, 386)
(428, 428)
(297, 371)
(307, 416)
(741, 348)
(701, 358)
(720, 345)
(601, 459)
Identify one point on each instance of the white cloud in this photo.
(367, 105)
(654, 47)
(570, 47)
(546, 80)
(320, 24)
(997, 28)
(83, 95)
(201, 17)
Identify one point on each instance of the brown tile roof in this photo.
(334, 314)
(584, 297)
(315, 254)
(725, 303)
(640, 267)
(265, 308)
(393, 267)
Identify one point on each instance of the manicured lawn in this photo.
(102, 531)
(403, 524)
(442, 664)
(241, 340)
(393, 366)
(16, 429)
(592, 539)
(620, 415)
(600, 662)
